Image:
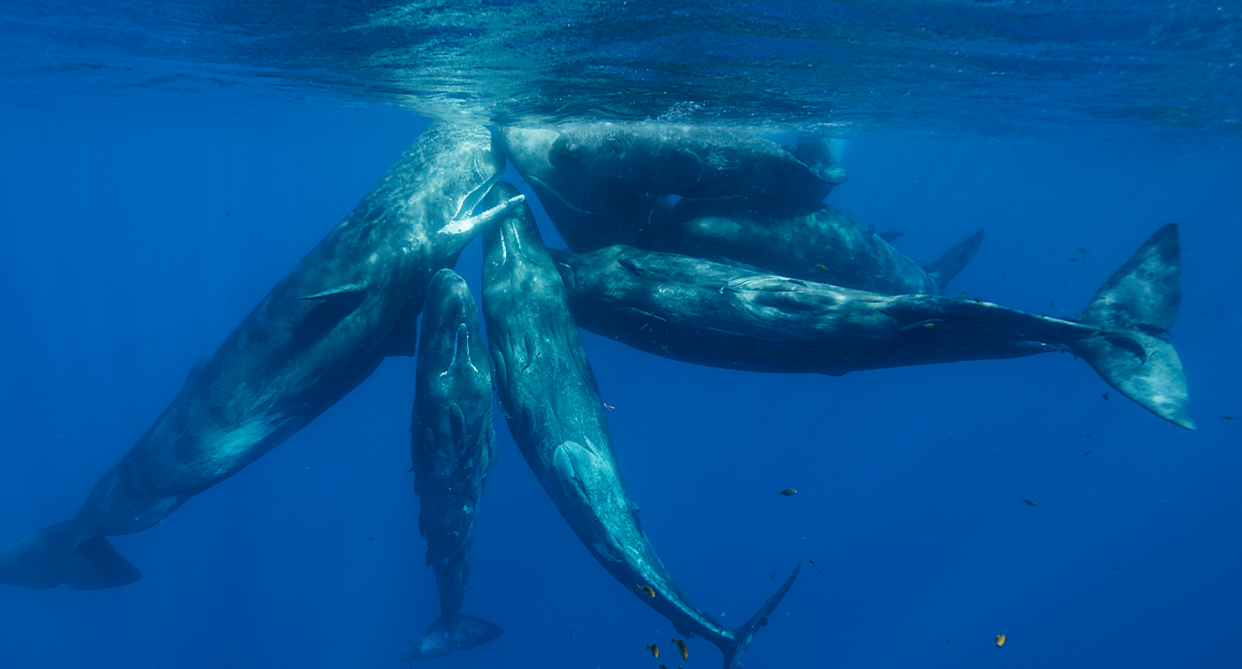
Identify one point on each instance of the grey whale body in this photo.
(707, 313)
(453, 448)
(550, 400)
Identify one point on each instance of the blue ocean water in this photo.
(162, 166)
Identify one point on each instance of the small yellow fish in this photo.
(655, 650)
(1000, 640)
(647, 589)
(929, 325)
(821, 267)
(681, 646)
(788, 492)
(963, 294)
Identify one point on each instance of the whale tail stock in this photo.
(1134, 308)
(444, 636)
(64, 553)
(735, 644)
(953, 261)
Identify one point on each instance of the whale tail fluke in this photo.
(1135, 309)
(735, 645)
(954, 260)
(444, 636)
(64, 553)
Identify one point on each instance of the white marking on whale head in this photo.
(460, 340)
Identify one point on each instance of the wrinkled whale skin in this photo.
(601, 183)
(708, 313)
(453, 448)
(817, 243)
(320, 332)
(551, 403)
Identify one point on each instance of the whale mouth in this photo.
(473, 198)
(461, 346)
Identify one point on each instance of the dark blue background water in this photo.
(138, 231)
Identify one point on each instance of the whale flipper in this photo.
(62, 553)
(735, 647)
(1138, 300)
(440, 638)
(953, 261)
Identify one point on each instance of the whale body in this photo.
(320, 332)
(742, 200)
(453, 448)
(815, 242)
(698, 311)
(550, 400)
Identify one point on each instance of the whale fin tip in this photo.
(954, 260)
(96, 565)
(740, 637)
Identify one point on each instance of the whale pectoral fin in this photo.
(1140, 298)
(334, 305)
(338, 291)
